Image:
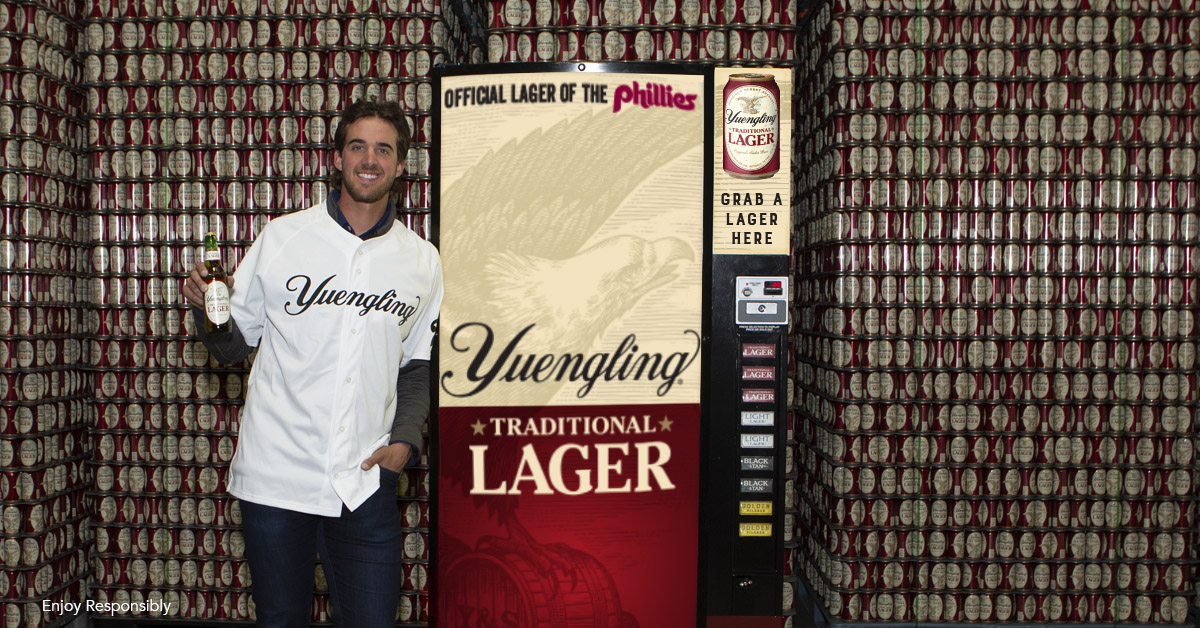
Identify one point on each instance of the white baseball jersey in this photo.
(334, 318)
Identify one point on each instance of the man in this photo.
(342, 302)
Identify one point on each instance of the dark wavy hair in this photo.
(386, 110)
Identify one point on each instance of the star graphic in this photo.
(665, 424)
(478, 427)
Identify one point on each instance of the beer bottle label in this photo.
(212, 255)
(216, 302)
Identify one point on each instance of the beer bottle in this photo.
(216, 298)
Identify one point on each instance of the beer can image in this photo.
(750, 137)
(617, 45)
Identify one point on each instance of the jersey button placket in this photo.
(351, 317)
(344, 444)
(358, 271)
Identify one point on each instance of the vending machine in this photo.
(612, 354)
(746, 397)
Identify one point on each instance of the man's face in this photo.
(368, 161)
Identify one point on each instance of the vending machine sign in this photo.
(571, 229)
(751, 188)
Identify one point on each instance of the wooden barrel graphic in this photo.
(562, 588)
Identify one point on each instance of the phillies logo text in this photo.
(653, 95)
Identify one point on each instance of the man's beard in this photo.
(361, 197)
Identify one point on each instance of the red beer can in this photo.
(748, 129)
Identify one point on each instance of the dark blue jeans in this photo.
(360, 551)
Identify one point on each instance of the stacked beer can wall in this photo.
(754, 32)
(997, 377)
(43, 385)
(217, 116)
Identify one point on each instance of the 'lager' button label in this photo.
(758, 395)
(756, 350)
(758, 372)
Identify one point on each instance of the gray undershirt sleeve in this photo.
(227, 347)
(412, 406)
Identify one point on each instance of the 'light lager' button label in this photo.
(758, 441)
(758, 418)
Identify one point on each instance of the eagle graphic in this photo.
(536, 259)
(750, 104)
